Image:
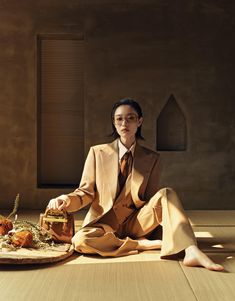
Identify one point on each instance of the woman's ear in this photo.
(140, 121)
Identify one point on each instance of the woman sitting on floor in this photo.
(120, 182)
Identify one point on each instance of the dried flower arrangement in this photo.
(17, 234)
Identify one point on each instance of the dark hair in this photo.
(132, 103)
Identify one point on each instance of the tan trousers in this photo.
(164, 209)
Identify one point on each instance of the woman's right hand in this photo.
(59, 203)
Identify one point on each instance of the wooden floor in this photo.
(140, 277)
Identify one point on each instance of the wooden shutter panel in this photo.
(61, 112)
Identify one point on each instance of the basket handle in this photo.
(55, 219)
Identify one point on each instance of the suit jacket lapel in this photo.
(142, 165)
(109, 158)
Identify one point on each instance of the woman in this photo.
(120, 182)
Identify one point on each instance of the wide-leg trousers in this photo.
(163, 210)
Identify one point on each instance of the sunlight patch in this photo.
(203, 234)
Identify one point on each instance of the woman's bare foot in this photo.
(195, 257)
(146, 244)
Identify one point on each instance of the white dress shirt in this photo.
(123, 149)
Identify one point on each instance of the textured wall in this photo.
(144, 49)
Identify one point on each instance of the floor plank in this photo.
(211, 217)
(210, 285)
(132, 281)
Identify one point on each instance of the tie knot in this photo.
(126, 156)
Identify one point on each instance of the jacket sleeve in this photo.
(85, 193)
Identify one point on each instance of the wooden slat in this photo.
(212, 217)
(210, 285)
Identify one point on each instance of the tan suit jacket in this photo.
(98, 185)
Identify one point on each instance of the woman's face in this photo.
(126, 121)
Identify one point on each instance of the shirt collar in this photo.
(122, 149)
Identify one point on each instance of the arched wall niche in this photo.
(171, 128)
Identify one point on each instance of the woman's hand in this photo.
(60, 203)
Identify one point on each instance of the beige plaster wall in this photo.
(147, 50)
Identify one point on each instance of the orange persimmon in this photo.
(5, 226)
(22, 239)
